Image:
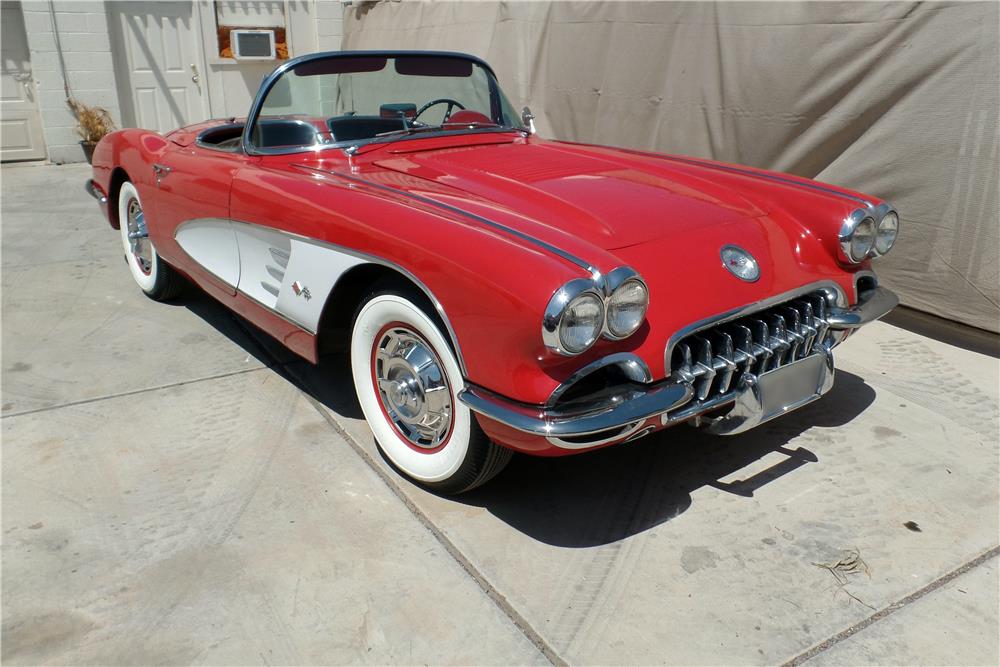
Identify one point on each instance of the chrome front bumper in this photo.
(618, 413)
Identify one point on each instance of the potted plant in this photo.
(92, 123)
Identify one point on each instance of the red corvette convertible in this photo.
(498, 291)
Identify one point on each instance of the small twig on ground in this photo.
(851, 563)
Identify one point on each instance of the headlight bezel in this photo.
(556, 311)
(877, 214)
(601, 287)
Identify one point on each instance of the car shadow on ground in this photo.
(594, 498)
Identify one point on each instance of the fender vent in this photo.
(714, 358)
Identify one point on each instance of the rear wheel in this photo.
(157, 279)
(407, 380)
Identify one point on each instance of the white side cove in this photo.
(212, 243)
(284, 272)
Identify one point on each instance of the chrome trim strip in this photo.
(835, 294)
(772, 177)
(634, 367)
(373, 259)
(91, 188)
(812, 185)
(614, 411)
(573, 259)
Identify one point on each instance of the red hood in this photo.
(609, 200)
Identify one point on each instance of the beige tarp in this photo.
(896, 99)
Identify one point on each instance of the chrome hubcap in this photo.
(413, 387)
(138, 237)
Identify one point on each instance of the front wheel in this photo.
(407, 380)
(155, 278)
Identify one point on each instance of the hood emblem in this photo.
(740, 263)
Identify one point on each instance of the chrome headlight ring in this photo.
(557, 308)
(579, 289)
(867, 221)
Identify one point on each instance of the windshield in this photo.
(345, 100)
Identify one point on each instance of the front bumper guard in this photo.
(621, 411)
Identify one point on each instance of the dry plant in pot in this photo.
(92, 123)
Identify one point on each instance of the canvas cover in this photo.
(896, 99)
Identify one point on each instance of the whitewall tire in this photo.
(153, 276)
(407, 380)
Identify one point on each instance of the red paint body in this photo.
(665, 217)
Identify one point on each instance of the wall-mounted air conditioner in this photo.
(252, 44)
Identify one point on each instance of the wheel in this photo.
(407, 380)
(157, 279)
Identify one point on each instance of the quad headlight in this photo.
(868, 232)
(583, 310)
(627, 308)
(885, 235)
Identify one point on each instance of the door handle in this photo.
(194, 75)
(161, 170)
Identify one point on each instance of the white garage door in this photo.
(20, 126)
(157, 48)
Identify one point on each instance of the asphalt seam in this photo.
(892, 608)
(133, 392)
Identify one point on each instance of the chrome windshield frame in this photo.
(273, 77)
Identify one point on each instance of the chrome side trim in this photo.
(633, 366)
(367, 258)
(834, 293)
(91, 188)
(573, 259)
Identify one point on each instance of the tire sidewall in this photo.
(431, 466)
(147, 283)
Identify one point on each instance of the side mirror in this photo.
(528, 119)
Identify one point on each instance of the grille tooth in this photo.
(779, 339)
(703, 386)
(806, 327)
(797, 339)
(761, 342)
(743, 341)
(724, 364)
(713, 359)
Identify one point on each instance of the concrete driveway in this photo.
(178, 489)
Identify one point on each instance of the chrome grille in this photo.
(713, 358)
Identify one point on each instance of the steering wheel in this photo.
(441, 100)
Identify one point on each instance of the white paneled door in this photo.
(20, 125)
(157, 60)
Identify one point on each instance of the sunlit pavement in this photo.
(178, 489)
